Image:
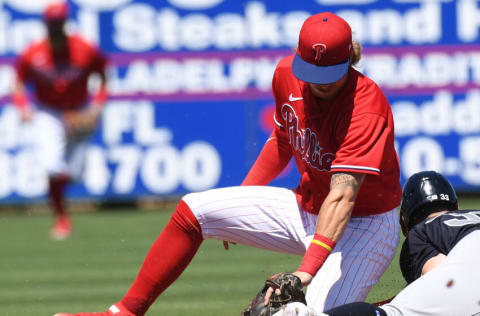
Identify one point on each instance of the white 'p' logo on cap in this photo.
(319, 49)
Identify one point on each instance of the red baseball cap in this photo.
(324, 48)
(56, 11)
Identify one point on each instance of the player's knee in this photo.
(190, 198)
(184, 218)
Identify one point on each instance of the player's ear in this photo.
(403, 225)
(356, 53)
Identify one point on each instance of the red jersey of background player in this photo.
(352, 133)
(60, 82)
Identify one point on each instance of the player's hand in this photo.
(26, 115)
(287, 288)
(94, 110)
(225, 244)
(269, 294)
(304, 277)
(91, 115)
(276, 286)
(81, 123)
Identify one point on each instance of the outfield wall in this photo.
(190, 89)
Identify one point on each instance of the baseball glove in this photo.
(290, 287)
(80, 124)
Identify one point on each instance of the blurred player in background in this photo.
(342, 217)
(57, 69)
(439, 258)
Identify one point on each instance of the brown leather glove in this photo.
(290, 288)
(80, 124)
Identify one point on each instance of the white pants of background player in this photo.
(450, 289)
(270, 218)
(55, 152)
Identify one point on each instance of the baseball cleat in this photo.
(62, 229)
(116, 309)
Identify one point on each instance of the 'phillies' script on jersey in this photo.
(305, 141)
(350, 133)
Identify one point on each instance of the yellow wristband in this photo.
(324, 245)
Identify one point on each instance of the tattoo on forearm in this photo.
(346, 179)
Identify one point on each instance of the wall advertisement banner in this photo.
(190, 101)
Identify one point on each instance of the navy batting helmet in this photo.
(424, 193)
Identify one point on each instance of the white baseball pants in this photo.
(270, 218)
(55, 152)
(450, 289)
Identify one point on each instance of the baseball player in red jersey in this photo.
(57, 69)
(341, 218)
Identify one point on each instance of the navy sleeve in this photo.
(416, 250)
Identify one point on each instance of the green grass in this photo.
(39, 276)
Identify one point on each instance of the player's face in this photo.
(56, 33)
(328, 91)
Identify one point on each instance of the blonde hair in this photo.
(356, 53)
